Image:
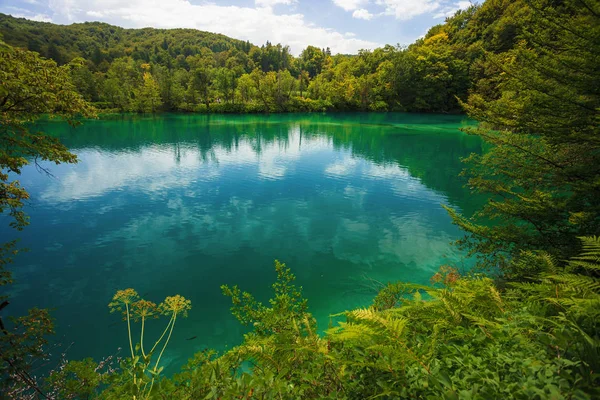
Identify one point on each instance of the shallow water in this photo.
(186, 203)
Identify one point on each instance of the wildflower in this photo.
(437, 278)
(144, 309)
(447, 276)
(123, 298)
(175, 305)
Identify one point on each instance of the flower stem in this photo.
(142, 338)
(167, 342)
(162, 351)
(161, 336)
(130, 342)
(129, 331)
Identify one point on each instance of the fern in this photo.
(462, 337)
(590, 249)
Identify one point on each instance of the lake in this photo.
(181, 204)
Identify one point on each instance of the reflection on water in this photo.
(184, 204)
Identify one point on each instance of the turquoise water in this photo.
(186, 203)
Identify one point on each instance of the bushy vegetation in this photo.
(527, 70)
(145, 70)
(461, 337)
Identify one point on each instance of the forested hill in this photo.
(98, 42)
(150, 70)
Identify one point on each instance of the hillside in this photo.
(99, 42)
(154, 70)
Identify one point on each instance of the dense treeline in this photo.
(148, 70)
(528, 71)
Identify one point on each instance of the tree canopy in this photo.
(538, 105)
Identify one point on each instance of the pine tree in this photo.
(541, 121)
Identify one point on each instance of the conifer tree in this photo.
(541, 121)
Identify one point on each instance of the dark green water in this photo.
(183, 204)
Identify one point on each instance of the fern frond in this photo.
(479, 321)
(576, 283)
(589, 265)
(351, 332)
(495, 294)
(591, 249)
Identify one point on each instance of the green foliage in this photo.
(76, 380)
(23, 345)
(29, 87)
(99, 42)
(147, 96)
(138, 376)
(286, 304)
(312, 60)
(193, 68)
(538, 107)
(467, 339)
(464, 337)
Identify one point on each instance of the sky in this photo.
(345, 26)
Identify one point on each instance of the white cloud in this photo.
(350, 5)
(17, 9)
(464, 4)
(271, 3)
(22, 13)
(255, 24)
(403, 10)
(362, 14)
(40, 17)
(407, 9)
(449, 10)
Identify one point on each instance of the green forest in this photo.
(522, 324)
(150, 70)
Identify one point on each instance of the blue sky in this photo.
(343, 25)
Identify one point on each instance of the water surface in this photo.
(186, 203)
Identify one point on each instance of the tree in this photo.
(147, 96)
(541, 120)
(54, 53)
(122, 80)
(225, 83)
(312, 59)
(246, 88)
(264, 83)
(273, 89)
(303, 81)
(286, 85)
(201, 74)
(364, 91)
(171, 89)
(318, 87)
(30, 86)
(85, 82)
